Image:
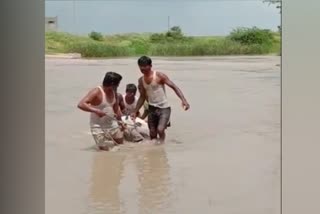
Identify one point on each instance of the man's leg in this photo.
(164, 118)
(153, 120)
(117, 136)
(102, 140)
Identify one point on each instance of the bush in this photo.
(98, 49)
(207, 48)
(252, 36)
(140, 46)
(239, 42)
(56, 41)
(173, 35)
(96, 36)
(157, 37)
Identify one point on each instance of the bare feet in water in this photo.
(159, 142)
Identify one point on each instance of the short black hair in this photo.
(131, 88)
(111, 79)
(144, 60)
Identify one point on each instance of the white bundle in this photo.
(140, 125)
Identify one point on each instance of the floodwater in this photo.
(222, 156)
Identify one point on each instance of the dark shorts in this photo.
(158, 117)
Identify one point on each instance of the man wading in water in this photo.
(102, 103)
(128, 103)
(152, 86)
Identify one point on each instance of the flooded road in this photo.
(222, 156)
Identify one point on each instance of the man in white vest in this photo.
(135, 131)
(102, 104)
(152, 87)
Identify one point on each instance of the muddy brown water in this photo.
(222, 156)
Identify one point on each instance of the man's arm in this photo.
(85, 102)
(142, 96)
(116, 108)
(165, 80)
(145, 114)
(121, 103)
(118, 113)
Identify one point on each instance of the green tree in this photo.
(96, 36)
(276, 2)
(252, 36)
(176, 29)
(175, 33)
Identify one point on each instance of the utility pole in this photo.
(168, 23)
(74, 15)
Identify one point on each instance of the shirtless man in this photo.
(152, 86)
(102, 103)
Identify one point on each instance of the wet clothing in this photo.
(106, 138)
(129, 108)
(105, 128)
(158, 105)
(156, 93)
(158, 117)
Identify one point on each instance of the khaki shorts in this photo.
(106, 138)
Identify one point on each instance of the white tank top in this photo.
(156, 93)
(129, 108)
(106, 122)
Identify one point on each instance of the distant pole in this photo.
(74, 15)
(168, 23)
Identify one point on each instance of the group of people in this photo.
(115, 117)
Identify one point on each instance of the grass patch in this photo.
(173, 43)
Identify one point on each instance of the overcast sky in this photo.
(198, 17)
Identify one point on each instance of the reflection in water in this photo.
(153, 175)
(106, 176)
(151, 191)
